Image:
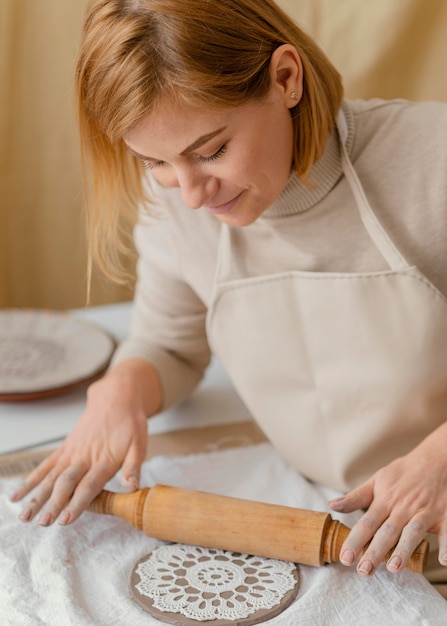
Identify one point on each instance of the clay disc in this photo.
(191, 586)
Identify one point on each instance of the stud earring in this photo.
(294, 95)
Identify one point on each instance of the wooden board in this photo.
(173, 443)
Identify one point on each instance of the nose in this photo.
(195, 186)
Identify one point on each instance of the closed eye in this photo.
(214, 156)
(150, 165)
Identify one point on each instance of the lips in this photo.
(225, 207)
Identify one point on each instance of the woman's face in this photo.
(231, 162)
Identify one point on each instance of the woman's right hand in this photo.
(110, 434)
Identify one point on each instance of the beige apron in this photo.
(329, 364)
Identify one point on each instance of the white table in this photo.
(25, 424)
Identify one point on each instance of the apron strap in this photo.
(372, 225)
(375, 230)
(223, 260)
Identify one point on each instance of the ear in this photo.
(286, 72)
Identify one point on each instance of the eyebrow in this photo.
(201, 140)
(195, 144)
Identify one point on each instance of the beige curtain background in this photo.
(386, 48)
(383, 48)
(42, 244)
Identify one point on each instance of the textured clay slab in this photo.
(175, 576)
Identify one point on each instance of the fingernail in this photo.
(366, 567)
(132, 481)
(339, 504)
(15, 496)
(347, 557)
(64, 518)
(26, 515)
(394, 563)
(443, 559)
(45, 520)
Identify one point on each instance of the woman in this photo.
(313, 261)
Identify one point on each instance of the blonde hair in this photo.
(133, 53)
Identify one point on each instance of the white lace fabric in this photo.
(209, 584)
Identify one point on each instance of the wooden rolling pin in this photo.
(212, 521)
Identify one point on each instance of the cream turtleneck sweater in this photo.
(399, 151)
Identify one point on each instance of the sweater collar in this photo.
(296, 197)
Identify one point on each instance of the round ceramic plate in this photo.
(44, 353)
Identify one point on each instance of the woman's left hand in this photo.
(405, 500)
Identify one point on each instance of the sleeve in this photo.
(168, 324)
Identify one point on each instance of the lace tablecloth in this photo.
(79, 575)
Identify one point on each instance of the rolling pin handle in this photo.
(338, 532)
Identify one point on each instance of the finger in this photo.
(61, 493)
(360, 534)
(34, 505)
(383, 541)
(130, 474)
(88, 488)
(359, 498)
(33, 479)
(411, 536)
(40, 497)
(130, 477)
(442, 541)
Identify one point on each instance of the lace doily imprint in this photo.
(182, 584)
(25, 355)
(45, 350)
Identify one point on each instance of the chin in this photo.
(237, 221)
